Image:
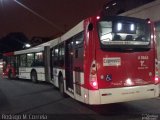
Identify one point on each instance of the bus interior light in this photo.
(132, 27)
(114, 4)
(40, 53)
(107, 7)
(119, 26)
(29, 54)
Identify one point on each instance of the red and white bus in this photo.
(33, 63)
(107, 60)
(9, 65)
(101, 60)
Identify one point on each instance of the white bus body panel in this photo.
(56, 72)
(25, 73)
(124, 94)
(129, 93)
(115, 95)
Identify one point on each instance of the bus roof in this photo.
(38, 48)
(77, 29)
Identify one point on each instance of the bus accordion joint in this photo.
(93, 75)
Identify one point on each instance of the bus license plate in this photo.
(115, 61)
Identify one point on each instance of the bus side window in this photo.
(30, 59)
(78, 44)
(52, 56)
(55, 56)
(61, 55)
(17, 61)
(39, 60)
(78, 51)
(23, 60)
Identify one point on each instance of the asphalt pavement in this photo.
(22, 99)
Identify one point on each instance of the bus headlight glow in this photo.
(85, 96)
(156, 80)
(94, 83)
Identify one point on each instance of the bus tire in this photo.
(34, 76)
(61, 86)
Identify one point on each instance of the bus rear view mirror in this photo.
(90, 27)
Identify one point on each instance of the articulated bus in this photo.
(33, 63)
(101, 60)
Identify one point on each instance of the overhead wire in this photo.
(40, 16)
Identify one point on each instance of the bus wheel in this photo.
(61, 86)
(10, 75)
(34, 76)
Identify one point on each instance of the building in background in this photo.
(116, 7)
(13, 42)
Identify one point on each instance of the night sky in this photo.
(59, 15)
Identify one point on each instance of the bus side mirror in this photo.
(90, 27)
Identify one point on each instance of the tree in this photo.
(13, 42)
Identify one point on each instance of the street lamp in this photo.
(27, 45)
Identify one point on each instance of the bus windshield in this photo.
(119, 32)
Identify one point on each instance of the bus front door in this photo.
(69, 66)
